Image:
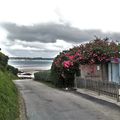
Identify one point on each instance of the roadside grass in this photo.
(9, 105)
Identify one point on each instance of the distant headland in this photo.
(30, 58)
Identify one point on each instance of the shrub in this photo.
(46, 77)
(43, 76)
(66, 64)
(3, 59)
(12, 69)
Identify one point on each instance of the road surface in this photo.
(46, 103)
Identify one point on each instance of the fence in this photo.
(101, 87)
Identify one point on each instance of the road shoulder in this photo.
(22, 108)
(102, 99)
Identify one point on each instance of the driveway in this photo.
(46, 103)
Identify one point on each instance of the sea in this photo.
(31, 64)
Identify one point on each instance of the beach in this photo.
(31, 66)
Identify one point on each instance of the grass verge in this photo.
(9, 105)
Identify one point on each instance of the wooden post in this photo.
(118, 93)
(85, 84)
(99, 88)
(75, 82)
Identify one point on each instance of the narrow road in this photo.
(45, 103)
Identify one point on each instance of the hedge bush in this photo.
(43, 76)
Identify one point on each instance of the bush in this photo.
(43, 76)
(3, 59)
(12, 69)
(9, 107)
(55, 79)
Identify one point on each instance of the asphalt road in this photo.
(45, 103)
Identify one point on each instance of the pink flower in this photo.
(116, 60)
(71, 57)
(67, 54)
(77, 54)
(67, 64)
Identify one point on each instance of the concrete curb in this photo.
(23, 114)
(102, 99)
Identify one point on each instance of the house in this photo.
(94, 72)
(114, 70)
(108, 71)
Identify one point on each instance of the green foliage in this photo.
(4, 65)
(12, 69)
(3, 60)
(45, 77)
(55, 79)
(9, 107)
(42, 75)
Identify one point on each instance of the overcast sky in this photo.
(43, 28)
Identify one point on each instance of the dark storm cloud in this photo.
(50, 32)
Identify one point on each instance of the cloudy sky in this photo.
(43, 28)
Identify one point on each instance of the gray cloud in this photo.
(50, 32)
(48, 39)
(28, 53)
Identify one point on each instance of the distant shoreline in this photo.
(31, 64)
(32, 69)
(29, 58)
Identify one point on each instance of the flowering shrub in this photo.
(98, 51)
(67, 64)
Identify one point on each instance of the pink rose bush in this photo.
(98, 51)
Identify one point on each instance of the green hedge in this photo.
(57, 81)
(48, 77)
(9, 106)
(44, 75)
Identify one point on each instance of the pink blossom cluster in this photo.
(67, 64)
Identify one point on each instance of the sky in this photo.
(43, 28)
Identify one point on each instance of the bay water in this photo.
(31, 64)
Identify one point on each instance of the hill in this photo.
(9, 106)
